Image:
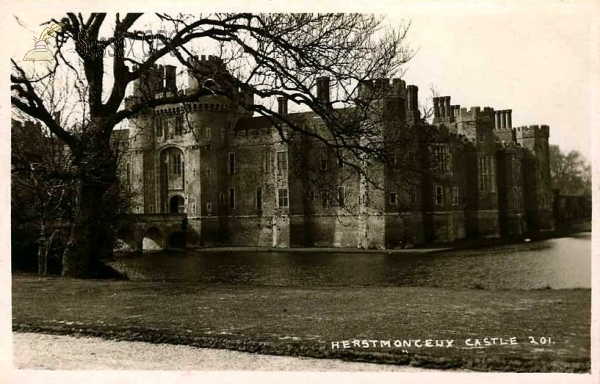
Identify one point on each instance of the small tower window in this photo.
(393, 198)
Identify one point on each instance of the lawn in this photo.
(307, 321)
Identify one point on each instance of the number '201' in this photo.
(541, 340)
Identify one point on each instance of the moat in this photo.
(560, 263)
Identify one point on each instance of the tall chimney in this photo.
(436, 107)
(170, 78)
(503, 119)
(282, 107)
(323, 89)
(447, 107)
(497, 123)
(413, 97)
(509, 118)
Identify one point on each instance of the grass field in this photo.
(305, 321)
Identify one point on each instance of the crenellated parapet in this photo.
(160, 81)
(380, 88)
(533, 131)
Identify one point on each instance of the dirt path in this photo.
(40, 351)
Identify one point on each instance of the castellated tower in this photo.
(175, 149)
(538, 192)
(477, 127)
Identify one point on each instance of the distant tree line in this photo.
(571, 172)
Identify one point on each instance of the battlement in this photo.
(161, 81)
(469, 114)
(396, 87)
(533, 131)
(382, 87)
(204, 60)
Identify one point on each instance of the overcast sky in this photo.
(533, 58)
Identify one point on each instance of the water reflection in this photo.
(555, 263)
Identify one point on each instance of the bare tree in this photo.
(269, 55)
(571, 172)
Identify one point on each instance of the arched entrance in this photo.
(172, 180)
(176, 204)
(153, 239)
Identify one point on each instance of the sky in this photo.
(534, 58)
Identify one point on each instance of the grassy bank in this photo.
(305, 321)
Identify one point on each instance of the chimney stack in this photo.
(323, 89)
(413, 97)
(436, 107)
(497, 123)
(508, 118)
(282, 107)
(447, 109)
(170, 78)
(503, 119)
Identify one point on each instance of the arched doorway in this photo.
(176, 204)
(172, 179)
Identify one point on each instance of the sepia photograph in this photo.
(382, 191)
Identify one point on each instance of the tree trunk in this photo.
(42, 250)
(92, 235)
(90, 239)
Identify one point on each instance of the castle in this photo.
(469, 173)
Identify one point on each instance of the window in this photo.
(259, 198)
(207, 132)
(209, 206)
(413, 194)
(159, 127)
(441, 157)
(193, 208)
(325, 198)
(179, 125)
(455, 196)
(282, 195)
(493, 173)
(231, 198)
(177, 164)
(483, 174)
(268, 161)
(341, 196)
(222, 199)
(151, 208)
(281, 162)
(393, 198)
(231, 163)
(323, 159)
(128, 173)
(439, 195)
